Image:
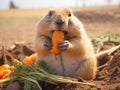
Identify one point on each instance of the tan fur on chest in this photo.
(62, 64)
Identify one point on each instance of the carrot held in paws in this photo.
(58, 37)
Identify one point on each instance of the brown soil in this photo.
(98, 22)
(107, 78)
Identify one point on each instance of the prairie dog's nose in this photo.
(59, 20)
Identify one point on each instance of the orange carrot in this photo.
(16, 60)
(27, 61)
(5, 70)
(33, 57)
(1, 74)
(58, 36)
(11, 68)
(4, 66)
(6, 73)
(30, 59)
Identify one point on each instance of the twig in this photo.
(102, 66)
(74, 82)
(106, 64)
(4, 54)
(107, 52)
(4, 80)
(98, 49)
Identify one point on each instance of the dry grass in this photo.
(22, 13)
(18, 25)
(41, 12)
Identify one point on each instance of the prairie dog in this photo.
(77, 58)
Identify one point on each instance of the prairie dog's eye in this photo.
(50, 13)
(69, 14)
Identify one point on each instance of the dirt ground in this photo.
(96, 22)
(108, 74)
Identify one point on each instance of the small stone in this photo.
(13, 86)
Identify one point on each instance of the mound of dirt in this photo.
(107, 78)
(17, 51)
(100, 16)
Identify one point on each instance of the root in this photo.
(4, 54)
(107, 52)
(106, 64)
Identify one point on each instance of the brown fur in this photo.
(79, 59)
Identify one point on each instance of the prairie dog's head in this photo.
(59, 19)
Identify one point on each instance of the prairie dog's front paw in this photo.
(47, 44)
(64, 45)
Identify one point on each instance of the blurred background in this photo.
(27, 4)
(18, 18)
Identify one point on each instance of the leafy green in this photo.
(32, 75)
(99, 40)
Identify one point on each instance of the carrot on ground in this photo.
(11, 68)
(30, 59)
(1, 74)
(4, 66)
(15, 60)
(6, 73)
(5, 70)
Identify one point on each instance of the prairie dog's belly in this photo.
(62, 64)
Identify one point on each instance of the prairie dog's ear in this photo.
(50, 12)
(70, 13)
(69, 10)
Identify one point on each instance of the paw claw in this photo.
(63, 45)
(47, 44)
